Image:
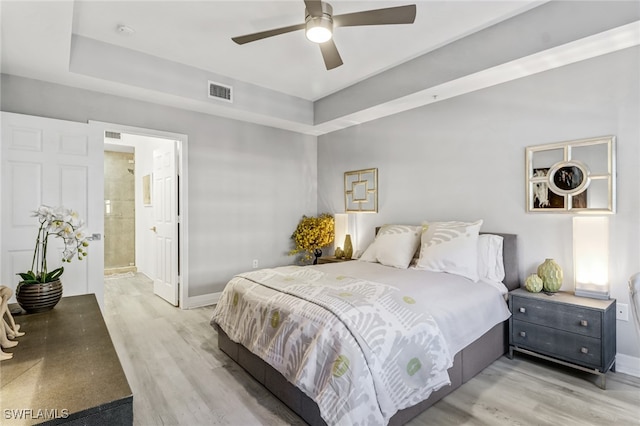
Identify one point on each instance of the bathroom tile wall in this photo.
(119, 218)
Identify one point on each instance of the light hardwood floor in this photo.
(179, 376)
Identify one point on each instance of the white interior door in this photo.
(57, 163)
(165, 210)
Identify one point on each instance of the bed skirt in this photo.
(466, 364)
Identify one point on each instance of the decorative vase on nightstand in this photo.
(533, 283)
(551, 274)
(348, 248)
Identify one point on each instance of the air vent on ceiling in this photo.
(220, 92)
(111, 135)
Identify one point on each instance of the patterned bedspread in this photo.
(361, 350)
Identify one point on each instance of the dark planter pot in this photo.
(42, 297)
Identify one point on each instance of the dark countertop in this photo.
(65, 362)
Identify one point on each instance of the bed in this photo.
(465, 356)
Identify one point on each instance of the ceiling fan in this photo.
(319, 23)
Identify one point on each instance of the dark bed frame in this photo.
(466, 364)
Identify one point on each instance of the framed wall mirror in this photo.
(361, 191)
(572, 177)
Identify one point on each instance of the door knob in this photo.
(153, 228)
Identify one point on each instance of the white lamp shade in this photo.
(591, 256)
(341, 229)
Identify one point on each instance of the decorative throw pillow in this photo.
(394, 246)
(450, 247)
(490, 260)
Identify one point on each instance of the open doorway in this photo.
(142, 229)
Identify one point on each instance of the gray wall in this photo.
(464, 159)
(248, 184)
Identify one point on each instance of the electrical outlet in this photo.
(255, 263)
(622, 312)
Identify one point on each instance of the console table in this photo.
(65, 370)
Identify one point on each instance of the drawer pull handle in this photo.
(584, 350)
(523, 310)
(584, 323)
(523, 334)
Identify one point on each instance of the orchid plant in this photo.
(57, 222)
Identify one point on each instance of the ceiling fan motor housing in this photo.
(319, 28)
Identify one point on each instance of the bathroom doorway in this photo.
(154, 218)
(141, 212)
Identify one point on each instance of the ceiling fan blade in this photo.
(265, 34)
(314, 7)
(391, 15)
(330, 54)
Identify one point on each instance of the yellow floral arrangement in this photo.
(312, 234)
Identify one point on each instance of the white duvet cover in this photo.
(464, 310)
(361, 348)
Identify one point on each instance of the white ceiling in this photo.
(36, 37)
(194, 37)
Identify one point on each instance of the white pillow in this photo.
(450, 247)
(490, 260)
(394, 246)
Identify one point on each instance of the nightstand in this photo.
(332, 259)
(577, 332)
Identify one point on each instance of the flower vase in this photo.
(533, 283)
(551, 274)
(348, 247)
(39, 297)
(316, 253)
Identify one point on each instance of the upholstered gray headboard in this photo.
(510, 258)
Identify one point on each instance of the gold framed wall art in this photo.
(361, 191)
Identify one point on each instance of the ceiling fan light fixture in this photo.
(319, 30)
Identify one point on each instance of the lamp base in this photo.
(592, 294)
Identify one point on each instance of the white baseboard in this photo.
(628, 365)
(202, 300)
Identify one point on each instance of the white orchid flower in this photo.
(44, 213)
(60, 222)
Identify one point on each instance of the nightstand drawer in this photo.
(574, 319)
(581, 350)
